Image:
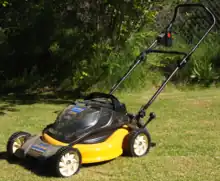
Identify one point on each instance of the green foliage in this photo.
(90, 44)
(113, 66)
(68, 39)
(204, 68)
(4, 3)
(203, 71)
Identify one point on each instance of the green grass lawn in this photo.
(187, 133)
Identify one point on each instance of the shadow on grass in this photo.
(42, 168)
(7, 108)
(38, 168)
(59, 97)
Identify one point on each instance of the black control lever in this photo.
(151, 117)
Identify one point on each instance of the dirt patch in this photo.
(207, 122)
(199, 103)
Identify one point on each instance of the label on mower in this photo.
(77, 109)
(40, 148)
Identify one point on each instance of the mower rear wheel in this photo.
(15, 141)
(139, 142)
(67, 161)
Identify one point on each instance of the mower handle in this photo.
(141, 57)
(191, 5)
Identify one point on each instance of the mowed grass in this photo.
(186, 130)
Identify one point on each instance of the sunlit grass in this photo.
(187, 133)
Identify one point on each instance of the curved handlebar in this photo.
(192, 5)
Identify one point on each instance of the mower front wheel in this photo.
(67, 161)
(15, 141)
(139, 143)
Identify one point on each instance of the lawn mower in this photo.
(98, 127)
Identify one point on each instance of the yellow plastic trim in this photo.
(98, 152)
